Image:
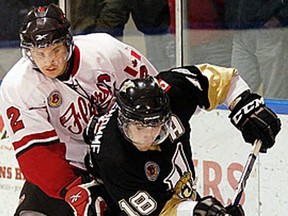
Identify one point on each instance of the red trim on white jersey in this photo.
(76, 62)
(45, 166)
(136, 55)
(131, 71)
(33, 139)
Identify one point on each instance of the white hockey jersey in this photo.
(45, 118)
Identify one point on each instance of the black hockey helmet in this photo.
(143, 101)
(44, 26)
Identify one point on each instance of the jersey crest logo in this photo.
(55, 99)
(152, 170)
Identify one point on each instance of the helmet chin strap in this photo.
(66, 73)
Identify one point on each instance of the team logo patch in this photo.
(152, 170)
(55, 99)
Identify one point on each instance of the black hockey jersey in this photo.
(142, 182)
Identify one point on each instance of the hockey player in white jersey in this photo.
(46, 101)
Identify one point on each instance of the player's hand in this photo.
(82, 197)
(235, 210)
(256, 121)
(209, 206)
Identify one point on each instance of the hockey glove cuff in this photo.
(235, 210)
(209, 206)
(80, 195)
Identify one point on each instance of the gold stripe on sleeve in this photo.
(219, 82)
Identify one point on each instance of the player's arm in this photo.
(248, 110)
(211, 85)
(205, 206)
(44, 165)
(120, 61)
(40, 154)
(206, 86)
(224, 84)
(211, 206)
(128, 62)
(41, 158)
(186, 201)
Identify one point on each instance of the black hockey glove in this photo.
(255, 120)
(209, 206)
(235, 210)
(82, 196)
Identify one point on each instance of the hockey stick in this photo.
(246, 172)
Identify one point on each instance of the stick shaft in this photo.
(246, 172)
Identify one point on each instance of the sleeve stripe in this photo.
(28, 140)
(136, 55)
(21, 151)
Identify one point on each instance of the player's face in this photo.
(52, 60)
(143, 137)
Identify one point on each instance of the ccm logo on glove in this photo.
(250, 107)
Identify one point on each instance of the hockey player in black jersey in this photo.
(141, 148)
